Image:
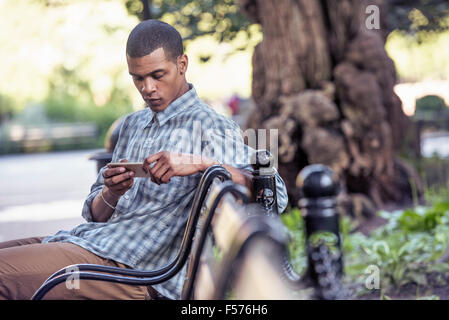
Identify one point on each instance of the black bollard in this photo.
(265, 194)
(323, 239)
(264, 182)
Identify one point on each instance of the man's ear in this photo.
(183, 62)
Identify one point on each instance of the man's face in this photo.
(158, 79)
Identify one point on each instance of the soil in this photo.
(370, 225)
(412, 291)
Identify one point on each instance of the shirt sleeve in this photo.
(224, 142)
(96, 188)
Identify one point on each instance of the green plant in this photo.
(7, 107)
(71, 99)
(405, 249)
(431, 103)
(423, 220)
(296, 247)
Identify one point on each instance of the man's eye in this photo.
(136, 78)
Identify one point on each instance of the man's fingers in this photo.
(167, 176)
(150, 159)
(118, 178)
(124, 185)
(113, 172)
(161, 171)
(122, 177)
(154, 179)
(156, 167)
(152, 171)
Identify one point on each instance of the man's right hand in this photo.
(118, 180)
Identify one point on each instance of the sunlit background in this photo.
(63, 73)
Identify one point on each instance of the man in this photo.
(138, 222)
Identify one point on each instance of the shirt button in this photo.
(126, 197)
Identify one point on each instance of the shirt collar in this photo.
(186, 100)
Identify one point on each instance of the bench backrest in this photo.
(239, 246)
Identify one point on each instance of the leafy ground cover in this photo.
(408, 253)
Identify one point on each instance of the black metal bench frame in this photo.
(147, 278)
(255, 224)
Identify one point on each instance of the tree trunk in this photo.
(146, 11)
(326, 83)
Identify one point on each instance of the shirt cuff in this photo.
(282, 196)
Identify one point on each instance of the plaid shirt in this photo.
(147, 226)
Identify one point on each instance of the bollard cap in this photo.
(262, 159)
(318, 181)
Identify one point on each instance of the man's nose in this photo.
(148, 86)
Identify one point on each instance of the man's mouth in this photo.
(153, 101)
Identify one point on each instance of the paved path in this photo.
(435, 143)
(43, 193)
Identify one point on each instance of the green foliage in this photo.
(194, 18)
(405, 249)
(432, 297)
(415, 22)
(423, 220)
(434, 173)
(7, 107)
(431, 103)
(296, 247)
(414, 16)
(224, 19)
(416, 61)
(71, 99)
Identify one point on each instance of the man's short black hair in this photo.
(150, 35)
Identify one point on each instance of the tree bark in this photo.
(146, 11)
(326, 83)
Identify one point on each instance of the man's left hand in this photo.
(170, 164)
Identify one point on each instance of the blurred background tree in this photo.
(315, 56)
(325, 81)
(67, 62)
(431, 104)
(414, 16)
(223, 19)
(220, 18)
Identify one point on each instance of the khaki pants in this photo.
(26, 263)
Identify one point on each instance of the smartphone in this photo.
(136, 167)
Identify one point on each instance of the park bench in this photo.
(253, 264)
(233, 243)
